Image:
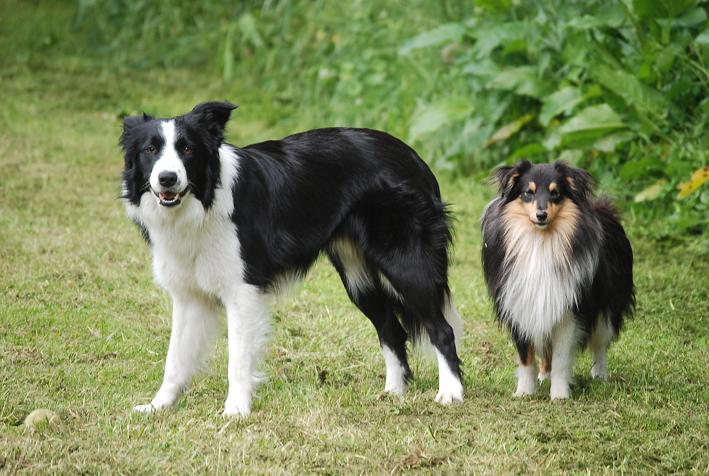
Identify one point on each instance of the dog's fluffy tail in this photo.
(422, 342)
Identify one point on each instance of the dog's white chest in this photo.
(206, 259)
(543, 283)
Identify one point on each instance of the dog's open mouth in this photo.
(168, 198)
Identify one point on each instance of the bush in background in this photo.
(619, 87)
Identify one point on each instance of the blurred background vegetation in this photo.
(615, 86)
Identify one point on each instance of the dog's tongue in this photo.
(167, 195)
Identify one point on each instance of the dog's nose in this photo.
(167, 178)
(542, 215)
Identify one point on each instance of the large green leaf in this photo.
(612, 15)
(562, 101)
(523, 80)
(644, 99)
(600, 117)
(703, 38)
(490, 37)
(651, 9)
(432, 117)
(443, 34)
(638, 168)
(692, 18)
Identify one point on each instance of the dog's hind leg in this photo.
(450, 388)
(376, 301)
(195, 324)
(428, 311)
(248, 327)
(601, 339)
(392, 338)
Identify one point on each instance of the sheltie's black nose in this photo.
(542, 215)
(168, 179)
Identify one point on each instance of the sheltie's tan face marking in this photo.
(543, 206)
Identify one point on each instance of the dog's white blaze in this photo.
(543, 278)
(356, 275)
(395, 372)
(169, 159)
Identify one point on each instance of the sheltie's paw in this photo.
(560, 391)
(599, 372)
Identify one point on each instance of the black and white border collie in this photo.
(559, 269)
(228, 226)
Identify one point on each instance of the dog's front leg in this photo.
(248, 325)
(565, 341)
(195, 323)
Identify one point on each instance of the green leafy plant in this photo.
(619, 87)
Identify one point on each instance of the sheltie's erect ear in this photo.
(506, 177)
(578, 182)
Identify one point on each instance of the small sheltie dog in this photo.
(229, 226)
(559, 269)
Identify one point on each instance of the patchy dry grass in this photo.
(83, 330)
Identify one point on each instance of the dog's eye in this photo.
(150, 149)
(187, 150)
(528, 193)
(554, 194)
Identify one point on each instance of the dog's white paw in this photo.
(525, 388)
(526, 381)
(451, 394)
(599, 371)
(147, 408)
(560, 391)
(395, 388)
(542, 376)
(237, 407)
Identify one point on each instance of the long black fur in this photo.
(294, 197)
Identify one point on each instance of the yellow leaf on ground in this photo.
(698, 178)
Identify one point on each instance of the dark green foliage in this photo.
(619, 87)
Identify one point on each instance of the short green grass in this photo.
(83, 330)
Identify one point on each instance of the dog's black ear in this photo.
(129, 122)
(506, 176)
(214, 115)
(579, 182)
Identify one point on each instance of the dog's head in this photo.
(542, 192)
(175, 158)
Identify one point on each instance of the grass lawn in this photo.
(84, 331)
